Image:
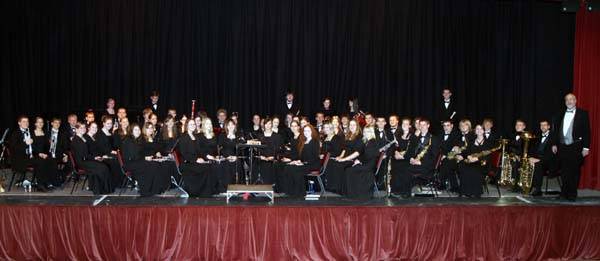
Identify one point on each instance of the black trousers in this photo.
(570, 159)
(448, 170)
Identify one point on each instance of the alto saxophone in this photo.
(424, 151)
(506, 166)
(526, 169)
(453, 153)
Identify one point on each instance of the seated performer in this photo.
(360, 176)
(307, 149)
(450, 147)
(143, 168)
(399, 162)
(422, 153)
(100, 145)
(542, 157)
(199, 179)
(229, 170)
(43, 163)
(268, 155)
(353, 146)
(99, 176)
(472, 166)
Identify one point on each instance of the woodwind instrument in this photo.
(193, 109)
(424, 151)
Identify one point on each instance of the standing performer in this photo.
(290, 105)
(573, 139)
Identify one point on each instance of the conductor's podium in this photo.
(235, 189)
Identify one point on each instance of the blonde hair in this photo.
(368, 134)
(208, 132)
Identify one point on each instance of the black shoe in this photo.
(405, 196)
(41, 188)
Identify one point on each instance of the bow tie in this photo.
(570, 111)
(544, 135)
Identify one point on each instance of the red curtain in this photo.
(587, 87)
(299, 233)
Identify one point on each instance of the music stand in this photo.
(251, 148)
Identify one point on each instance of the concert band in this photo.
(356, 152)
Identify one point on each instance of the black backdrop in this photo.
(504, 59)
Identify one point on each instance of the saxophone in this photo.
(484, 153)
(453, 153)
(506, 165)
(526, 169)
(424, 151)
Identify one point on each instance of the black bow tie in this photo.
(570, 111)
(544, 135)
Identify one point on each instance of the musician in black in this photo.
(489, 132)
(256, 129)
(447, 107)
(381, 139)
(290, 105)
(44, 166)
(451, 143)
(399, 162)
(353, 146)
(422, 153)
(542, 157)
(59, 144)
(332, 143)
(142, 167)
(288, 153)
(573, 142)
(99, 176)
(155, 105)
(168, 135)
(199, 179)
(269, 154)
(70, 126)
(472, 166)
(360, 176)
(305, 161)
(516, 149)
(229, 171)
(100, 145)
(327, 109)
(152, 147)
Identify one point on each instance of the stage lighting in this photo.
(570, 6)
(593, 5)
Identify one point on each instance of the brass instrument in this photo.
(506, 165)
(484, 153)
(526, 169)
(424, 151)
(453, 153)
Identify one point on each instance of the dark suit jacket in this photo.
(428, 160)
(18, 157)
(581, 127)
(454, 139)
(284, 109)
(541, 150)
(444, 114)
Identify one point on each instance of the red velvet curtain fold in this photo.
(299, 233)
(587, 87)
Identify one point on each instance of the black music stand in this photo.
(251, 148)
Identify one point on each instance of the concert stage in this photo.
(59, 227)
